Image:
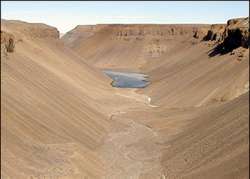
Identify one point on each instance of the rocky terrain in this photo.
(61, 118)
(230, 36)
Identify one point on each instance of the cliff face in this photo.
(155, 38)
(230, 36)
(237, 33)
(233, 34)
(140, 32)
(215, 32)
(136, 31)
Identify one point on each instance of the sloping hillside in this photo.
(214, 144)
(77, 34)
(189, 69)
(203, 142)
(216, 78)
(55, 108)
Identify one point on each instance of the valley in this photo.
(134, 101)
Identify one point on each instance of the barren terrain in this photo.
(61, 118)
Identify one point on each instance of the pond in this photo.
(127, 79)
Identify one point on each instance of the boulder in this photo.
(7, 42)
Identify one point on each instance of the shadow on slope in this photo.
(231, 42)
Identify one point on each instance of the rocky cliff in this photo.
(230, 36)
(237, 33)
(139, 32)
(136, 31)
(215, 32)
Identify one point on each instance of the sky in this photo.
(65, 15)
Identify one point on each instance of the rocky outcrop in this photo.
(215, 32)
(200, 32)
(237, 33)
(230, 36)
(7, 42)
(139, 32)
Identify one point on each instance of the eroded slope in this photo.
(55, 108)
(61, 118)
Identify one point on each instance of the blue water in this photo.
(127, 79)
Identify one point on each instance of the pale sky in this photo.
(65, 15)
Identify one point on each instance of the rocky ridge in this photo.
(30, 30)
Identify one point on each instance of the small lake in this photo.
(127, 79)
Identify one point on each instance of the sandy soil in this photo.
(61, 118)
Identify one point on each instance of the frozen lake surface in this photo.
(127, 79)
